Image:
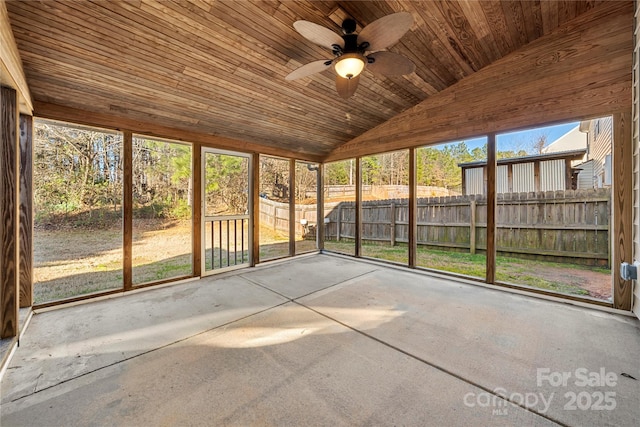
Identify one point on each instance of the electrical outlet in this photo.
(629, 271)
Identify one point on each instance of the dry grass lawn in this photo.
(74, 262)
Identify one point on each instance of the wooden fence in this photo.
(565, 226)
(275, 215)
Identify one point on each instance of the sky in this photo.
(522, 140)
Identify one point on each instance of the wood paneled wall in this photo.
(26, 211)
(9, 212)
(581, 70)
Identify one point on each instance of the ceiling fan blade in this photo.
(386, 31)
(318, 34)
(390, 64)
(308, 69)
(347, 87)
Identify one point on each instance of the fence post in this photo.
(338, 223)
(393, 223)
(275, 218)
(472, 227)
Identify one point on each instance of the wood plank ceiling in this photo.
(218, 67)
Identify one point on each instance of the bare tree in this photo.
(539, 143)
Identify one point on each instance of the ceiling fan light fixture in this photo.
(350, 65)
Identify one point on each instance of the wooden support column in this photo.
(358, 225)
(622, 241)
(491, 208)
(9, 212)
(26, 211)
(320, 206)
(127, 210)
(255, 212)
(536, 176)
(196, 208)
(413, 209)
(292, 207)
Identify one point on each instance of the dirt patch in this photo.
(598, 284)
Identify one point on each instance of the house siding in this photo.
(474, 180)
(585, 177)
(523, 179)
(600, 137)
(522, 176)
(552, 175)
(502, 179)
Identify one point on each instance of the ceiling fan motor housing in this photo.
(348, 26)
(350, 43)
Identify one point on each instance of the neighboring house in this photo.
(585, 175)
(592, 170)
(599, 141)
(541, 172)
(575, 139)
(596, 136)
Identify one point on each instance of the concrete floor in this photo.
(324, 340)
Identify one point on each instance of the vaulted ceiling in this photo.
(218, 67)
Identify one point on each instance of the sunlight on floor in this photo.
(360, 319)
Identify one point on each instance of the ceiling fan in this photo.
(353, 52)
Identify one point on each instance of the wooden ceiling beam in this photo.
(72, 115)
(581, 70)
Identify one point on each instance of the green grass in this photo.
(510, 270)
(163, 269)
(398, 253)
